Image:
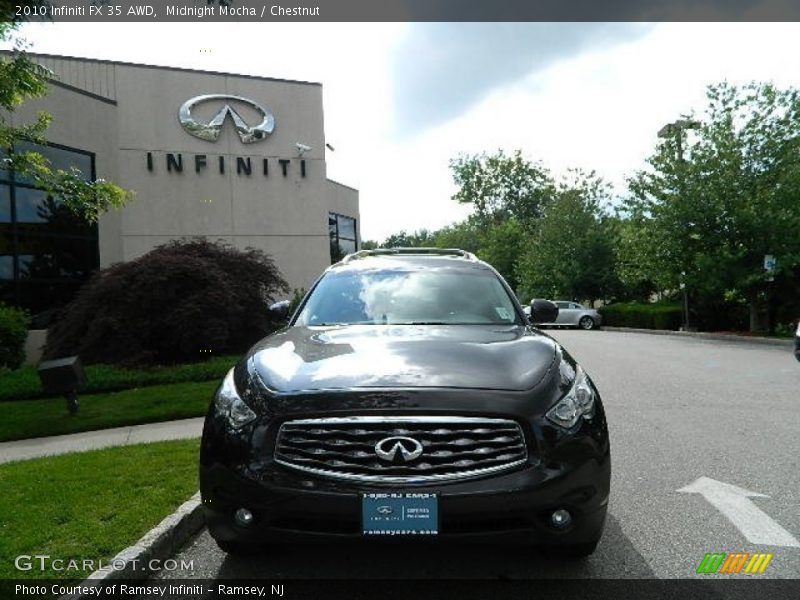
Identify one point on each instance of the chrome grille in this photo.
(452, 447)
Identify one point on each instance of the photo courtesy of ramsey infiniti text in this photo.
(407, 397)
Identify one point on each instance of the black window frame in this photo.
(335, 237)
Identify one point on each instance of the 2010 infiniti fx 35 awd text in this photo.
(408, 397)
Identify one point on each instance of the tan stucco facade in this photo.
(127, 115)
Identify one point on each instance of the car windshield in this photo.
(403, 297)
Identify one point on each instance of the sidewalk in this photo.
(725, 337)
(104, 438)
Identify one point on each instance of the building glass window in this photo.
(60, 158)
(5, 204)
(46, 252)
(31, 205)
(6, 267)
(342, 233)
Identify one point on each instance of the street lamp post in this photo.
(676, 131)
(685, 302)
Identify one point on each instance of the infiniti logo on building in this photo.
(406, 448)
(211, 130)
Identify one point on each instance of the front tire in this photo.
(586, 323)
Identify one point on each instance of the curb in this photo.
(788, 343)
(159, 543)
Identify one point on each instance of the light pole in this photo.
(685, 302)
(677, 130)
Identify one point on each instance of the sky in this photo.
(402, 99)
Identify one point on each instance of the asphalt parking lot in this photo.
(705, 451)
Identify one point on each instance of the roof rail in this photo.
(410, 252)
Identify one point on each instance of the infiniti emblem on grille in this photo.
(389, 448)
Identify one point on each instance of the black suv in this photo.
(408, 397)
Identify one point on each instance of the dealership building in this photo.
(229, 157)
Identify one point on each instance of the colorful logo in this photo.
(734, 562)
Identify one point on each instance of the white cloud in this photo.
(599, 109)
(441, 69)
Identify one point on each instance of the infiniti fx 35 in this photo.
(408, 397)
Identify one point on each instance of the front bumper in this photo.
(513, 507)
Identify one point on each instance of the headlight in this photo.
(231, 406)
(577, 403)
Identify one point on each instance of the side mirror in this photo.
(543, 311)
(279, 310)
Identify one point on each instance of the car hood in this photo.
(406, 356)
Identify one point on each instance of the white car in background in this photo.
(572, 314)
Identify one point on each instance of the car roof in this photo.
(400, 258)
(418, 252)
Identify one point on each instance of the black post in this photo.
(681, 165)
(685, 309)
(63, 377)
(72, 402)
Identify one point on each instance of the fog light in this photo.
(560, 518)
(243, 517)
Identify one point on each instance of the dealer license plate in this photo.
(400, 513)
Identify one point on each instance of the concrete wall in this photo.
(121, 112)
(34, 346)
(94, 77)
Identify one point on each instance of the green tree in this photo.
(21, 79)
(570, 253)
(500, 186)
(416, 239)
(501, 244)
(634, 268)
(508, 195)
(716, 200)
(464, 235)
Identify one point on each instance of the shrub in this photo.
(13, 333)
(297, 298)
(642, 316)
(182, 302)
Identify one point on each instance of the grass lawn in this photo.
(90, 505)
(39, 418)
(24, 382)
